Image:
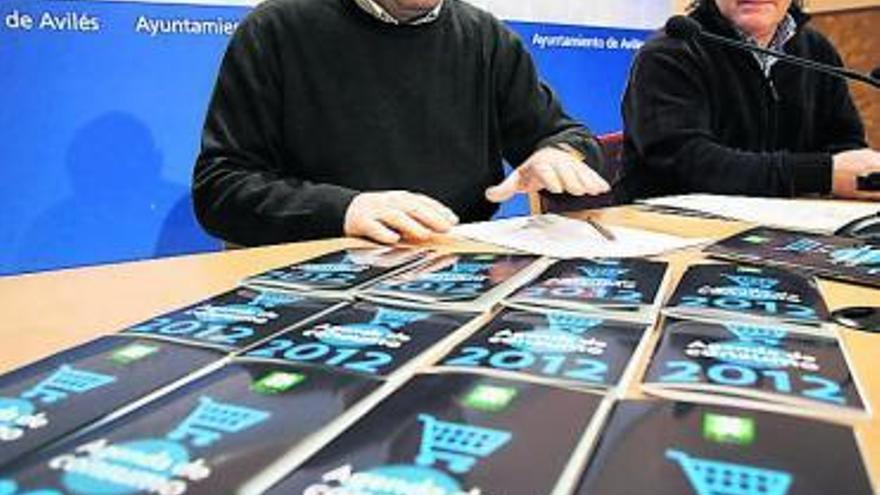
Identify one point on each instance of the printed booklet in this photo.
(209, 437)
(680, 448)
(233, 321)
(372, 339)
(756, 364)
(843, 258)
(723, 292)
(340, 272)
(632, 285)
(454, 434)
(50, 398)
(557, 347)
(463, 281)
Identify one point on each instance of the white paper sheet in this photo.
(562, 237)
(818, 216)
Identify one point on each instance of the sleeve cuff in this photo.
(811, 172)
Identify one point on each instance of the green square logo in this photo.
(489, 398)
(728, 429)
(133, 352)
(277, 382)
(756, 239)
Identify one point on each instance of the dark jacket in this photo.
(702, 117)
(317, 101)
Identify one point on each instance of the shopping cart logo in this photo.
(212, 419)
(570, 322)
(602, 272)
(459, 445)
(64, 381)
(752, 282)
(758, 334)
(852, 257)
(802, 246)
(713, 477)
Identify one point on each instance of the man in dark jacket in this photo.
(702, 117)
(384, 119)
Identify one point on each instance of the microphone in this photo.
(688, 29)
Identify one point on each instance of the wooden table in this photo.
(47, 312)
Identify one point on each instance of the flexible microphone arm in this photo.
(686, 28)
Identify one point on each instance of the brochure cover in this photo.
(559, 347)
(679, 448)
(48, 399)
(366, 338)
(843, 258)
(627, 284)
(338, 271)
(805, 374)
(234, 320)
(209, 437)
(746, 293)
(453, 434)
(469, 281)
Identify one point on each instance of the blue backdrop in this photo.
(101, 120)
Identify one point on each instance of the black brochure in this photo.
(50, 398)
(234, 320)
(575, 349)
(463, 279)
(843, 258)
(627, 284)
(739, 292)
(338, 271)
(680, 448)
(209, 437)
(367, 338)
(802, 372)
(453, 434)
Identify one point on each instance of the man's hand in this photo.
(850, 165)
(552, 169)
(389, 216)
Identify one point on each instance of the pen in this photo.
(602, 230)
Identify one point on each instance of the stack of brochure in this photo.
(580, 350)
(452, 434)
(752, 336)
(462, 281)
(630, 286)
(208, 437)
(338, 273)
(841, 258)
(724, 292)
(675, 448)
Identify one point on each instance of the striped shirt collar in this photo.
(784, 32)
(379, 12)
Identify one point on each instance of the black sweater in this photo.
(700, 117)
(317, 101)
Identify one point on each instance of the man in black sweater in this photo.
(385, 119)
(701, 117)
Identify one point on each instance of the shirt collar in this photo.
(379, 12)
(784, 32)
